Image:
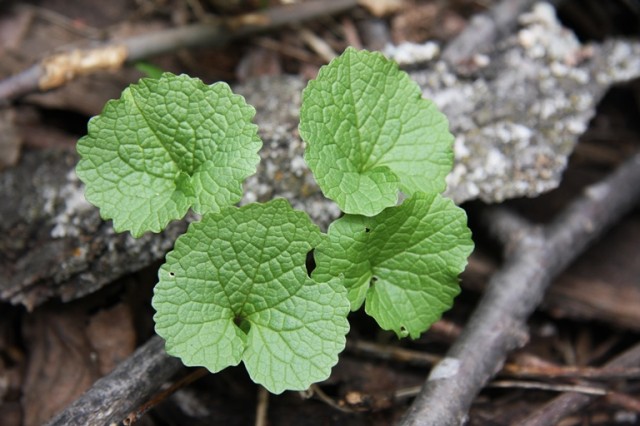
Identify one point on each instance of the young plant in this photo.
(235, 287)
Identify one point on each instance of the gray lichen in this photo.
(517, 118)
(53, 244)
(282, 171)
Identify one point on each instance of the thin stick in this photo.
(570, 372)
(564, 405)
(262, 407)
(498, 325)
(513, 369)
(407, 392)
(583, 389)
(392, 353)
(317, 391)
(317, 44)
(624, 401)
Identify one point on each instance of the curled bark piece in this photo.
(64, 67)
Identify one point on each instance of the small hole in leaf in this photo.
(242, 323)
(403, 332)
(171, 274)
(372, 281)
(367, 229)
(310, 263)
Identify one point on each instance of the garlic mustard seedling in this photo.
(235, 287)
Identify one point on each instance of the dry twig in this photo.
(262, 407)
(569, 403)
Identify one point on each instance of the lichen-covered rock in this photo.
(53, 243)
(282, 171)
(518, 112)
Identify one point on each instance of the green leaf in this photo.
(235, 288)
(166, 145)
(369, 133)
(404, 261)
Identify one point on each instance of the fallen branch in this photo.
(126, 388)
(58, 69)
(534, 256)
